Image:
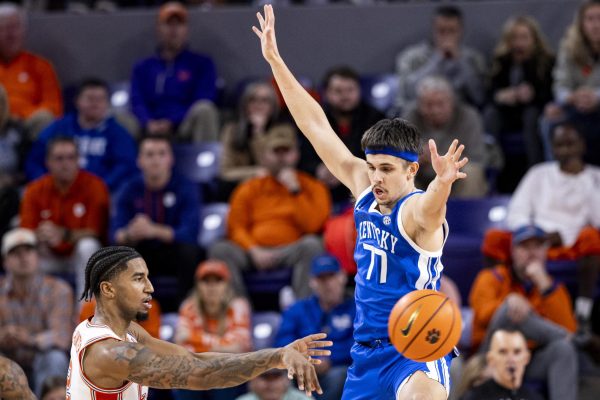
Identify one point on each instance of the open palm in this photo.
(266, 33)
(447, 167)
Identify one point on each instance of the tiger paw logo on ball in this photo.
(433, 336)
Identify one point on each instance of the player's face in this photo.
(507, 358)
(155, 158)
(591, 23)
(22, 261)
(391, 177)
(134, 290)
(173, 34)
(436, 107)
(567, 144)
(92, 103)
(342, 94)
(63, 161)
(12, 33)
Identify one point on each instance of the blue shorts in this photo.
(380, 372)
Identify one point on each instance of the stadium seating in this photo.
(199, 162)
(264, 329)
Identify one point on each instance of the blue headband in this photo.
(390, 151)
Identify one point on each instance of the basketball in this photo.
(425, 325)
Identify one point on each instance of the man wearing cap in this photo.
(327, 310)
(36, 311)
(273, 220)
(173, 91)
(525, 297)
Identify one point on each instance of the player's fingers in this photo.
(461, 175)
(452, 148)
(257, 31)
(459, 152)
(314, 337)
(319, 352)
(261, 20)
(462, 162)
(315, 361)
(300, 378)
(433, 149)
(319, 343)
(315, 381)
(291, 372)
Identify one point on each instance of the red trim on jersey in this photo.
(88, 382)
(106, 396)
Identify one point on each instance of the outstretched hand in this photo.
(447, 167)
(298, 360)
(266, 33)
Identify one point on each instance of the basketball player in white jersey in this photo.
(112, 357)
(13, 383)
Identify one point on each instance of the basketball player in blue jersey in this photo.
(401, 232)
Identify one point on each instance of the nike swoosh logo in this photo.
(411, 321)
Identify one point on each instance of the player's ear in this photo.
(107, 289)
(413, 168)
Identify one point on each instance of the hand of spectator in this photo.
(266, 33)
(141, 227)
(324, 367)
(447, 167)
(50, 234)
(288, 177)
(263, 258)
(554, 239)
(525, 93)
(159, 127)
(506, 96)
(553, 112)
(324, 175)
(536, 272)
(518, 307)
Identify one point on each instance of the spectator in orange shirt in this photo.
(273, 220)
(212, 319)
(526, 298)
(33, 89)
(68, 209)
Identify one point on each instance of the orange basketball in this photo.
(424, 325)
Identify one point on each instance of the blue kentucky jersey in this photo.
(389, 265)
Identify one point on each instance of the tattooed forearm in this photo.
(13, 383)
(208, 371)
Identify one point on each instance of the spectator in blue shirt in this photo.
(158, 214)
(105, 148)
(173, 91)
(329, 311)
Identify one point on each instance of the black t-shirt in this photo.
(490, 390)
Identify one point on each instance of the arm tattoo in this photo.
(13, 383)
(203, 372)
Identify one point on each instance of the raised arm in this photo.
(426, 213)
(165, 365)
(309, 115)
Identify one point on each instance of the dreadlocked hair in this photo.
(104, 265)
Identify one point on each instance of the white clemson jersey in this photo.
(79, 387)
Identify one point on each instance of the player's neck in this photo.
(111, 317)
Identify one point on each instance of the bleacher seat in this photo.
(265, 326)
(119, 95)
(468, 221)
(199, 162)
(380, 91)
(168, 324)
(213, 223)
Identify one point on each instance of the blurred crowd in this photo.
(269, 234)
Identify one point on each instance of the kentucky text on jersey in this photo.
(385, 240)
